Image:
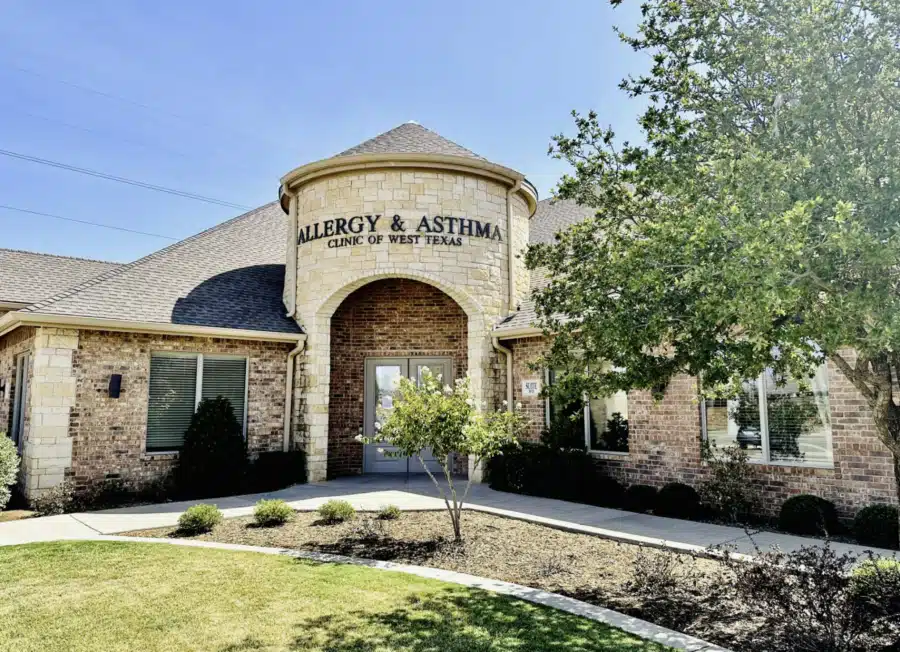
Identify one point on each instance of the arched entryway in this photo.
(384, 328)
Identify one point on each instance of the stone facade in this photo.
(665, 439)
(473, 272)
(388, 318)
(12, 346)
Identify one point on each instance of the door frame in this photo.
(406, 365)
(20, 399)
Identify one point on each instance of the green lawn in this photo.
(99, 596)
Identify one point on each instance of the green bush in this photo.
(9, 468)
(276, 470)
(641, 498)
(389, 513)
(808, 515)
(199, 519)
(56, 500)
(272, 512)
(337, 511)
(678, 500)
(213, 460)
(875, 584)
(877, 525)
(549, 472)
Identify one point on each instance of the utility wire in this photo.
(130, 182)
(72, 219)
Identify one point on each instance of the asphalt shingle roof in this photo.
(27, 277)
(230, 276)
(551, 217)
(410, 138)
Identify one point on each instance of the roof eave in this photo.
(13, 320)
(356, 162)
(517, 333)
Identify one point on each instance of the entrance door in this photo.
(20, 400)
(382, 381)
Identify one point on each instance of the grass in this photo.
(99, 596)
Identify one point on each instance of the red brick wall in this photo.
(108, 435)
(665, 439)
(388, 318)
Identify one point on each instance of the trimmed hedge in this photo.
(539, 470)
(336, 511)
(877, 525)
(269, 513)
(808, 515)
(641, 498)
(678, 500)
(199, 519)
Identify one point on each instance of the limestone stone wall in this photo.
(12, 345)
(335, 260)
(109, 435)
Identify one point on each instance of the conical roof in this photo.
(410, 138)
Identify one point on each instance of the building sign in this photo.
(531, 387)
(439, 230)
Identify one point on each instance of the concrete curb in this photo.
(634, 626)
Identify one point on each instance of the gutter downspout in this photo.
(292, 250)
(509, 244)
(495, 341)
(289, 392)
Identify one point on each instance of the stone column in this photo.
(47, 449)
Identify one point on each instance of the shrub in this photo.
(809, 600)
(213, 460)
(276, 470)
(808, 515)
(57, 500)
(272, 512)
(729, 490)
(640, 498)
(877, 525)
(9, 468)
(337, 511)
(199, 519)
(389, 513)
(677, 500)
(565, 474)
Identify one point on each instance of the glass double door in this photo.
(382, 382)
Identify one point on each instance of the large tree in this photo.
(758, 223)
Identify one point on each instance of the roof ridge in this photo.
(41, 253)
(65, 294)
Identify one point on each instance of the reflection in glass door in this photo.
(382, 380)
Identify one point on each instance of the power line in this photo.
(72, 219)
(130, 182)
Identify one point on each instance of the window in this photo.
(781, 425)
(600, 424)
(177, 385)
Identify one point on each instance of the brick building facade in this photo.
(402, 251)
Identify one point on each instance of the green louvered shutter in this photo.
(226, 377)
(173, 394)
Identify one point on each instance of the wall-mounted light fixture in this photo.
(115, 385)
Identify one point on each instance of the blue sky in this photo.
(222, 98)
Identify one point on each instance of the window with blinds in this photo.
(179, 383)
(781, 422)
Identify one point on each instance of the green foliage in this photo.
(729, 489)
(199, 519)
(56, 500)
(678, 500)
(336, 511)
(446, 420)
(564, 474)
(808, 515)
(615, 436)
(389, 513)
(268, 513)
(213, 460)
(754, 224)
(640, 498)
(9, 468)
(877, 525)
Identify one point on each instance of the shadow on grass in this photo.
(461, 620)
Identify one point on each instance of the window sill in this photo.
(159, 455)
(827, 466)
(609, 454)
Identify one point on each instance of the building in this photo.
(399, 253)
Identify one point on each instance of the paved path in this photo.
(416, 493)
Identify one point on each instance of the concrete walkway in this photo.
(417, 493)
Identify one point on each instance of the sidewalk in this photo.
(417, 493)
